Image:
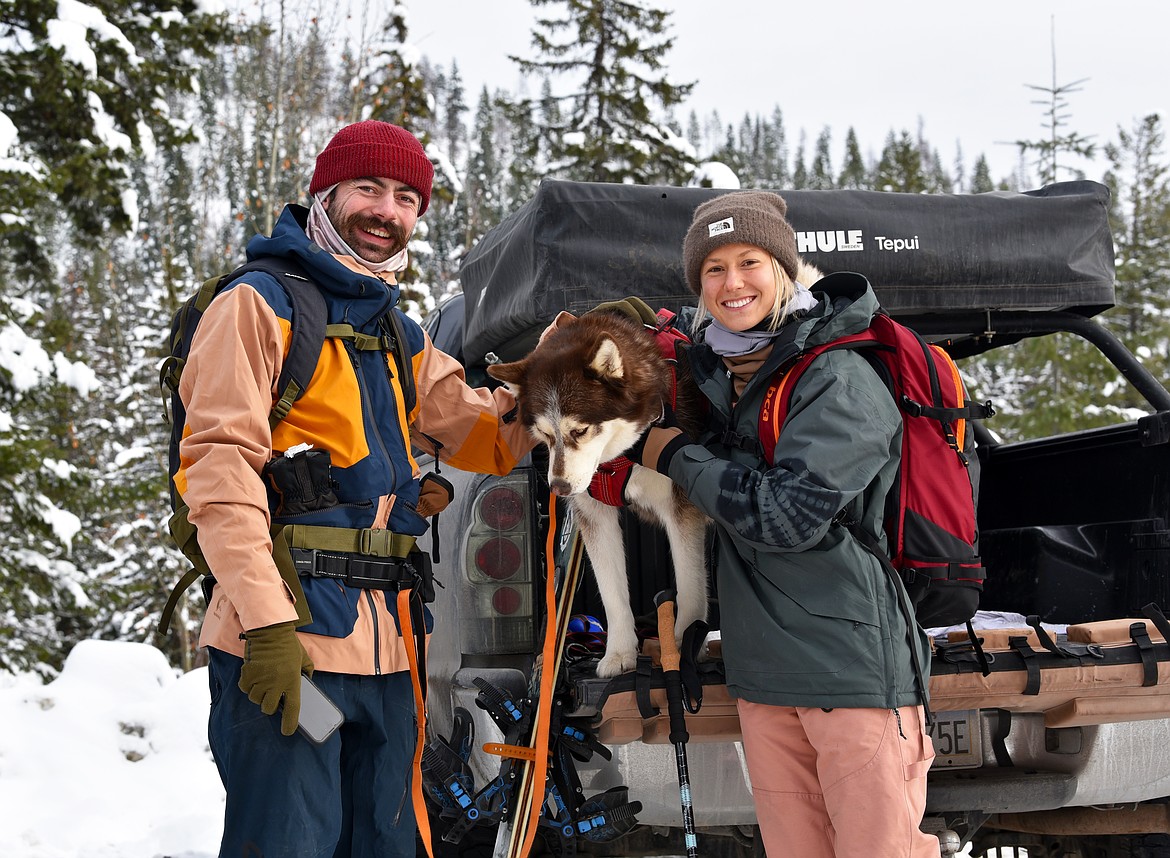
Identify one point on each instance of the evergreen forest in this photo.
(143, 142)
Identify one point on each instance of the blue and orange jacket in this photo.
(354, 408)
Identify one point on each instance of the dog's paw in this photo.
(616, 663)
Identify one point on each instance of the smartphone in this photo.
(319, 717)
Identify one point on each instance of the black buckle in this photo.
(390, 573)
(355, 570)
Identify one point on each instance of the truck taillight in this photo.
(507, 600)
(499, 558)
(498, 568)
(502, 508)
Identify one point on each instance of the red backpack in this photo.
(930, 511)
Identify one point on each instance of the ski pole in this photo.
(664, 601)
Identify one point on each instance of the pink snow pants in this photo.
(838, 784)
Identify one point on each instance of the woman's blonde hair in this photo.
(785, 291)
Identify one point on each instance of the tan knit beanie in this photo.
(740, 217)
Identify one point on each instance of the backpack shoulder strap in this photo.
(307, 332)
(405, 365)
(778, 397)
(309, 316)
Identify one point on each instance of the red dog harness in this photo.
(609, 483)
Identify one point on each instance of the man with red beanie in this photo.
(307, 521)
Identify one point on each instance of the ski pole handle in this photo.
(670, 667)
(664, 601)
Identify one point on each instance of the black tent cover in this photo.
(576, 244)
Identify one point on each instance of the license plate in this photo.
(958, 742)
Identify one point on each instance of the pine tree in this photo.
(1061, 383)
(775, 154)
(613, 51)
(729, 154)
(524, 146)
(751, 146)
(484, 197)
(454, 107)
(694, 135)
(397, 89)
(1058, 141)
(853, 172)
(44, 603)
(938, 180)
(80, 115)
(76, 122)
(394, 89)
(900, 166)
(981, 181)
(1140, 180)
(960, 169)
(821, 176)
(799, 170)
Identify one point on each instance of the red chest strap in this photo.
(609, 482)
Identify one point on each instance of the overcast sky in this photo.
(962, 67)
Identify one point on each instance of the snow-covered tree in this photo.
(83, 89)
(821, 175)
(85, 95)
(1139, 177)
(610, 55)
(853, 172)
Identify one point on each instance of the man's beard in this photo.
(351, 229)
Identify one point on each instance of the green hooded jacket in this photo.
(809, 617)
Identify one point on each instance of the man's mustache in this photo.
(396, 230)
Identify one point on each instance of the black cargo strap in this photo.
(1064, 649)
(1027, 655)
(688, 667)
(355, 570)
(970, 410)
(644, 669)
(965, 652)
(1141, 639)
(980, 655)
(1003, 726)
(1155, 615)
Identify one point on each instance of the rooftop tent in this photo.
(576, 244)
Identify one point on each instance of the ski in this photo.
(528, 759)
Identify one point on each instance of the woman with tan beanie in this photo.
(820, 655)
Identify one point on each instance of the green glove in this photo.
(273, 663)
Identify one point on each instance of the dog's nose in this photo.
(560, 488)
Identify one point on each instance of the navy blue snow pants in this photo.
(289, 798)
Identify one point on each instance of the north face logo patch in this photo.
(720, 227)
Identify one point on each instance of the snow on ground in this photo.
(110, 760)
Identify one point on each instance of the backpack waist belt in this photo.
(365, 558)
(366, 540)
(355, 570)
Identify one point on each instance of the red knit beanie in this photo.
(374, 148)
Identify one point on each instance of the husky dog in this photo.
(588, 391)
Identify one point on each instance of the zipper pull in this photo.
(898, 718)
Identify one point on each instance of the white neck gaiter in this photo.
(728, 343)
(322, 233)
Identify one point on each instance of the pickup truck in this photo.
(1074, 529)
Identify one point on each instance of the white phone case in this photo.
(319, 716)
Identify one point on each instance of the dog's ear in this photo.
(606, 362)
(512, 374)
(563, 318)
